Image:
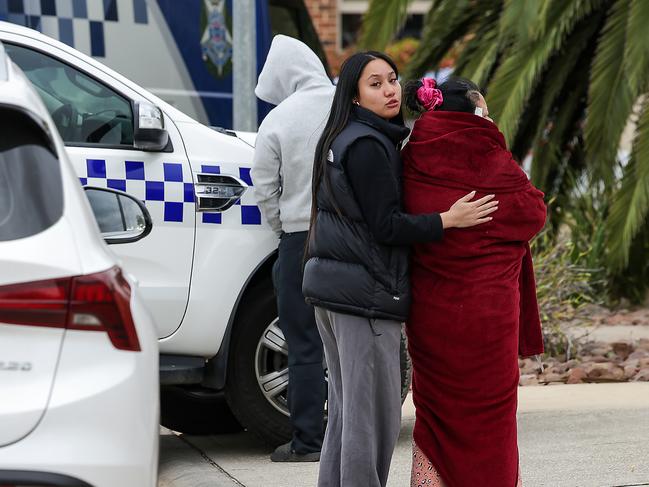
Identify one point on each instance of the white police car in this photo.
(78, 350)
(205, 268)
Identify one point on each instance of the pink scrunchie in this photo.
(429, 96)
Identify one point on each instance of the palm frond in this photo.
(512, 85)
(552, 151)
(567, 67)
(479, 65)
(518, 19)
(382, 21)
(553, 13)
(565, 71)
(446, 22)
(636, 56)
(631, 204)
(610, 99)
(480, 55)
(517, 77)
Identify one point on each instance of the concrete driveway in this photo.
(587, 435)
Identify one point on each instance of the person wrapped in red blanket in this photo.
(474, 306)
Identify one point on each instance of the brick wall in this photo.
(324, 14)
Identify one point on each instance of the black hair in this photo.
(341, 109)
(460, 95)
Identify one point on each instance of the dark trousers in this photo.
(307, 387)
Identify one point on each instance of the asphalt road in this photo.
(588, 435)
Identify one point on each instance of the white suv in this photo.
(78, 351)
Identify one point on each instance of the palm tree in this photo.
(564, 77)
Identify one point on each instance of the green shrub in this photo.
(564, 286)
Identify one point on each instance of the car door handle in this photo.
(217, 192)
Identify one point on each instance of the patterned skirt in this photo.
(424, 473)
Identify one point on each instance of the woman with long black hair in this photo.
(356, 274)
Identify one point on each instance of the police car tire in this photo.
(243, 394)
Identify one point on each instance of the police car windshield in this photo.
(84, 110)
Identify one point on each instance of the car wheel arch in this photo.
(216, 368)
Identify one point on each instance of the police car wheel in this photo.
(257, 376)
(271, 366)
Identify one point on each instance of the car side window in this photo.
(31, 189)
(85, 111)
(121, 218)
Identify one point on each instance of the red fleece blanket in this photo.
(474, 299)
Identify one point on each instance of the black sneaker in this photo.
(284, 453)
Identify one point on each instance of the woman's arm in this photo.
(368, 169)
(375, 188)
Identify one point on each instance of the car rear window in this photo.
(31, 191)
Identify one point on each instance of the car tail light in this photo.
(40, 303)
(95, 302)
(103, 302)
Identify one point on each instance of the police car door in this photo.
(95, 115)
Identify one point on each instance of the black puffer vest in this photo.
(347, 270)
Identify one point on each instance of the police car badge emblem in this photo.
(216, 43)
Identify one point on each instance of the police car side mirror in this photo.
(121, 217)
(149, 133)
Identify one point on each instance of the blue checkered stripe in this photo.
(78, 23)
(167, 194)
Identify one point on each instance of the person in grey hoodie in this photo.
(294, 79)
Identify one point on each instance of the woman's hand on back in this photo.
(466, 213)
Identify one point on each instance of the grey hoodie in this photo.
(295, 80)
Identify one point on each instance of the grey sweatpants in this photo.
(364, 405)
